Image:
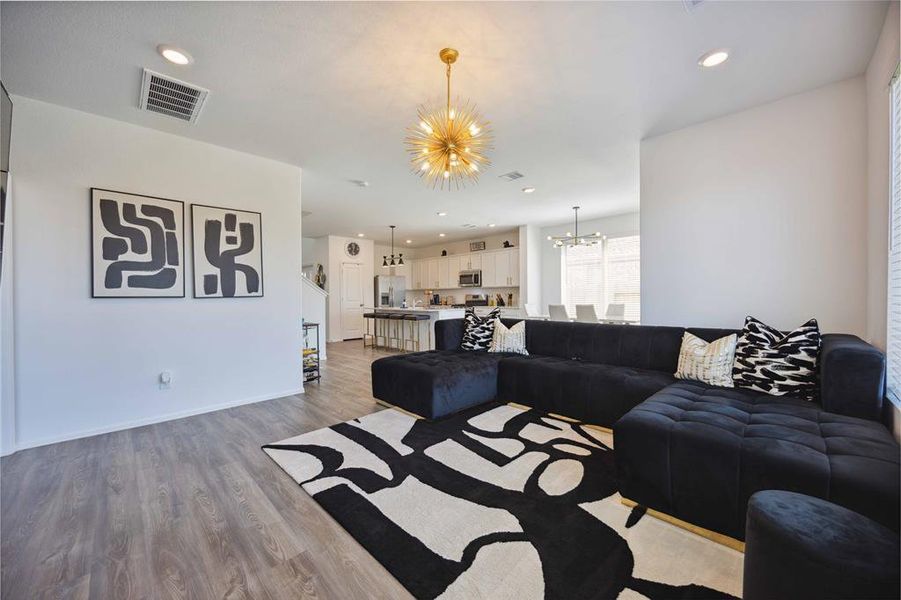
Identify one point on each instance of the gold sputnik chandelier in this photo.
(449, 145)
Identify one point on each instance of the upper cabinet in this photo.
(513, 259)
(453, 270)
(415, 275)
(500, 268)
(404, 270)
(434, 279)
(444, 280)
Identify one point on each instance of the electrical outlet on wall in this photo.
(165, 380)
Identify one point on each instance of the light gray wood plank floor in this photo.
(189, 508)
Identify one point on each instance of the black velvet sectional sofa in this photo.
(687, 449)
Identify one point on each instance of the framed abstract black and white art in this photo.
(137, 246)
(228, 252)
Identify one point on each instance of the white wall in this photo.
(7, 334)
(762, 212)
(308, 251)
(88, 365)
(530, 250)
(335, 257)
(551, 272)
(495, 241)
(879, 73)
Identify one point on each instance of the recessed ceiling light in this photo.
(491, 225)
(360, 235)
(442, 214)
(174, 55)
(528, 190)
(440, 235)
(409, 241)
(713, 58)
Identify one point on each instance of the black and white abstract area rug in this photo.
(499, 502)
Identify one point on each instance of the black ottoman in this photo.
(437, 383)
(797, 547)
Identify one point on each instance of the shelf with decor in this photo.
(311, 352)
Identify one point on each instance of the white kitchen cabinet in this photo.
(470, 262)
(444, 281)
(403, 271)
(513, 261)
(415, 275)
(453, 271)
(431, 269)
(489, 269)
(500, 268)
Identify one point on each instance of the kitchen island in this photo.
(435, 313)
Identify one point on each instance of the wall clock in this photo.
(352, 249)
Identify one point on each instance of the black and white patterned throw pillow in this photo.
(478, 330)
(767, 360)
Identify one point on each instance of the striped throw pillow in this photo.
(707, 362)
(509, 339)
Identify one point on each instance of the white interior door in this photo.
(351, 301)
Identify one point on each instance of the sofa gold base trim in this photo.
(713, 536)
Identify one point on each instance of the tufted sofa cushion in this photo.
(586, 391)
(437, 383)
(698, 453)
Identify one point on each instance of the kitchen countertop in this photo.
(429, 309)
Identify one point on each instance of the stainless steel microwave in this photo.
(471, 278)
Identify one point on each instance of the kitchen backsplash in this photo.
(458, 295)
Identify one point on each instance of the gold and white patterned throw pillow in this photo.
(509, 339)
(707, 362)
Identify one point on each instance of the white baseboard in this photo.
(150, 420)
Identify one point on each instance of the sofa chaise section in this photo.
(698, 453)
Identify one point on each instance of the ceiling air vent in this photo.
(512, 175)
(171, 97)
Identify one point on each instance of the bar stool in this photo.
(415, 321)
(380, 321)
(369, 318)
(397, 328)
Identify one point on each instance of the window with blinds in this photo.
(608, 273)
(893, 350)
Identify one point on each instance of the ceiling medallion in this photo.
(574, 239)
(449, 144)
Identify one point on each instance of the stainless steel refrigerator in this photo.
(390, 290)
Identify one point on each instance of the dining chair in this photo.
(531, 310)
(615, 312)
(557, 312)
(585, 313)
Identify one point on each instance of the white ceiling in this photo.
(570, 88)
